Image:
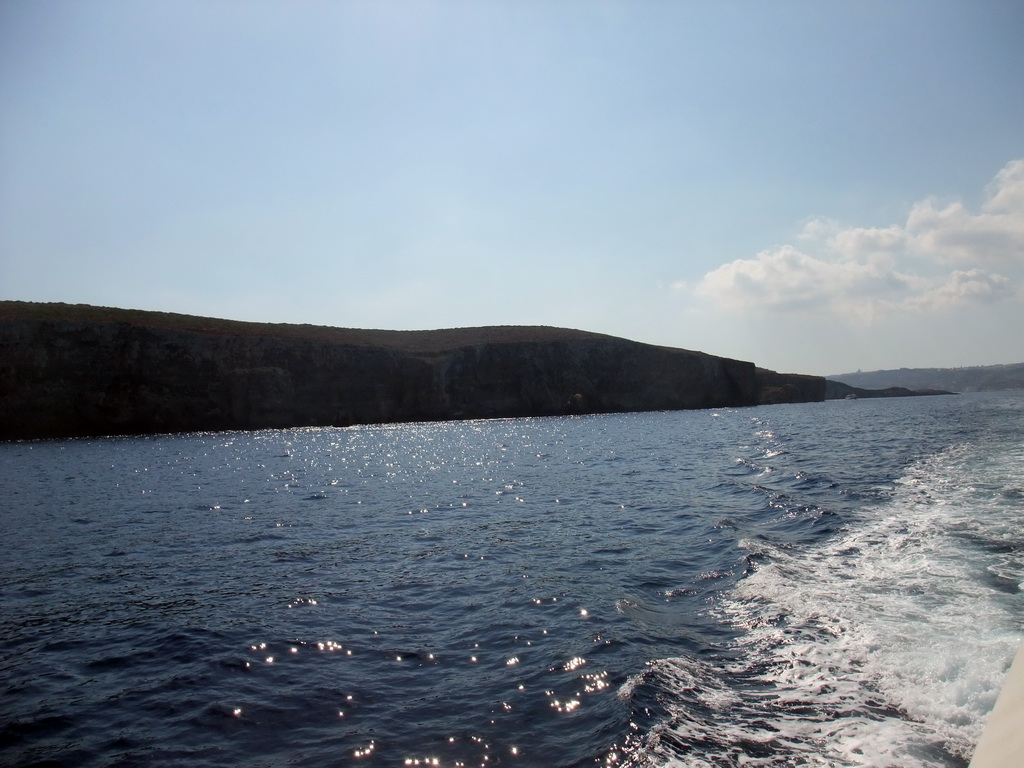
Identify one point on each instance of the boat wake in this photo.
(884, 647)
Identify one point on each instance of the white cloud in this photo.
(818, 229)
(859, 242)
(1007, 190)
(955, 235)
(962, 288)
(862, 273)
(788, 280)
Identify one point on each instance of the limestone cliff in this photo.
(837, 390)
(76, 370)
(774, 388)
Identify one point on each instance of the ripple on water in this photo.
(527, 592)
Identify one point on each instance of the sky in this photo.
(817, 187)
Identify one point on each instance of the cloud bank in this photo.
(943, 257)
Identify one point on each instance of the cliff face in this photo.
(86, 371)
(774, 388)
(837, 390)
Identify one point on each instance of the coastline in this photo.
(77, 371)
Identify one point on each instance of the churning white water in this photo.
(831, 584)
(885, 645)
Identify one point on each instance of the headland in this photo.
(79, 370)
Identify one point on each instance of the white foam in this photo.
(885, 647)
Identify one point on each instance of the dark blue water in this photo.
(763, 586)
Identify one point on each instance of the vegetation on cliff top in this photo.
(409, 341)
(73, 370)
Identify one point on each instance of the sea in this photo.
(823, 584)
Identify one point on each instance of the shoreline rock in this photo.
(77, 370)
(837, 390)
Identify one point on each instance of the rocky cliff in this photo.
(73, 370)
(837, 390)
(774, 388)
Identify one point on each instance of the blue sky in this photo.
(813, 186)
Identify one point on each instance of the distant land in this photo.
(78, 370)
(984, 378)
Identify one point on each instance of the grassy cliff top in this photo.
(413, 341)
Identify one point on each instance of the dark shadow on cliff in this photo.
(76, 370)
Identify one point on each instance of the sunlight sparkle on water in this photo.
(595, 682)
(565, 706)
(365, 751)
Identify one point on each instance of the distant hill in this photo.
(74, 370)
(985, 378)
